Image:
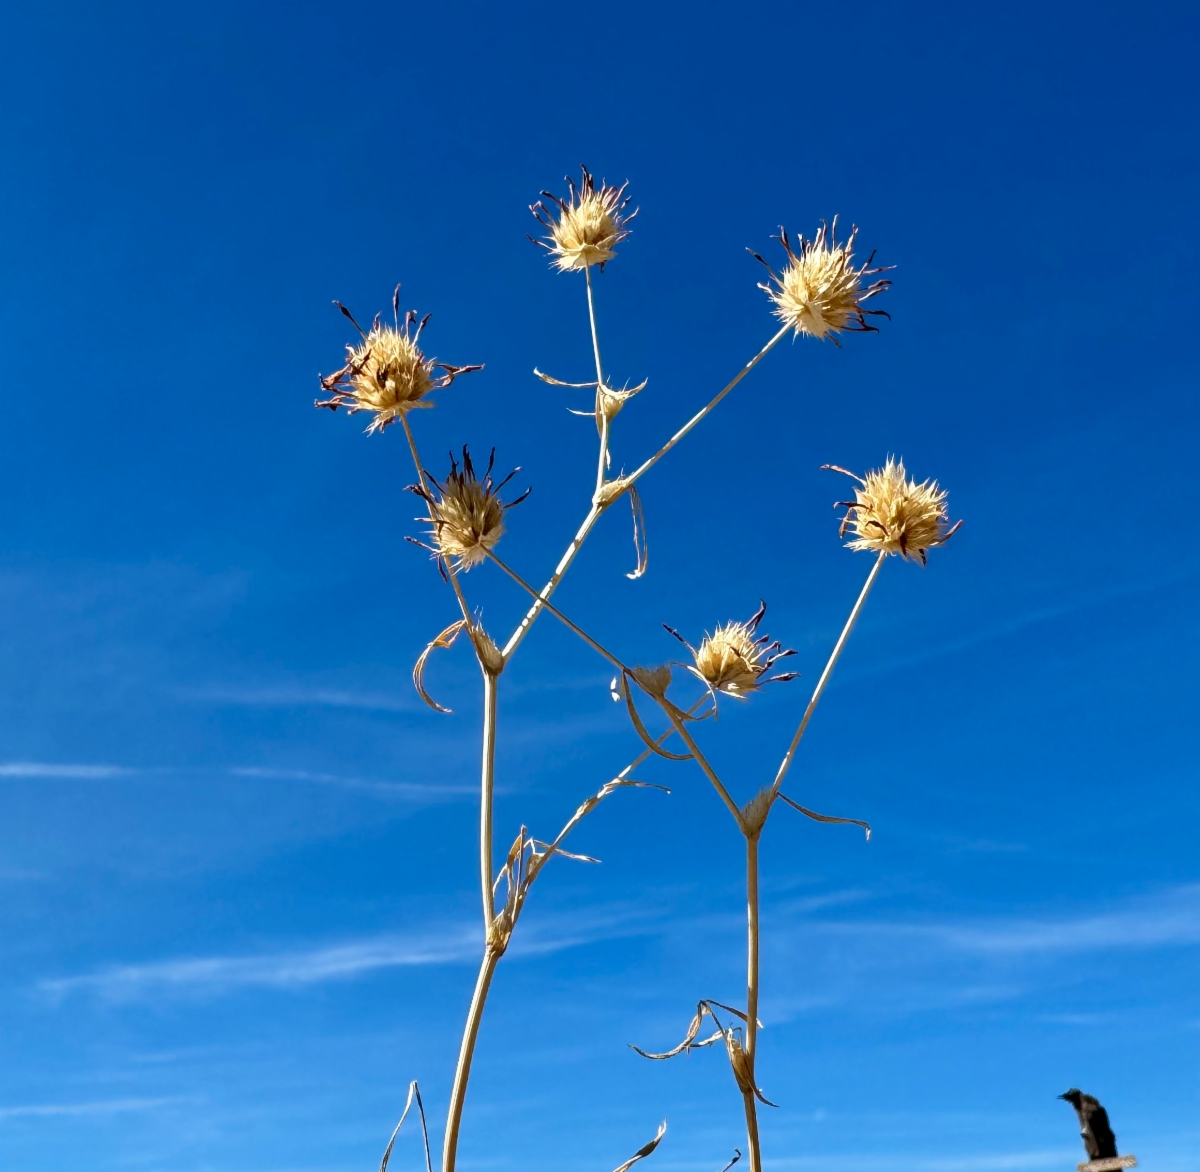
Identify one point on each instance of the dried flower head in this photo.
(466, 514)
(387, 373)
(820, 292)
(892, 514)
(735, 659)
(587, 226)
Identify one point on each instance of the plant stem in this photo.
(741, 374)
(486, 792)
(752, 1141)
(453, 577)
(462, 1072)
(702, 761)
(754, 1151)
(601, 415)
(785, 765)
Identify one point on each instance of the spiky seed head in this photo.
(893, 514)
(586, 227)
(735, 659)
(466, 514)
(820, 291)
(387, 373)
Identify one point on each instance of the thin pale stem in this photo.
(702, 761)
(451, 575)
(752, 1141)
(751, 943)
(785, 765)
(462, 1072)
(486, 792)
(558, 614)
(601, 416)
(741, 374)
(542, 598)
(753, 1149)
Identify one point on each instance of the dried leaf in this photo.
(555, 382)
(644, 1151)
(827, 817)
(689, 1039)
(641, 548)
(414, 1093)
(651, 744)
(737, 1155)
(442, 642)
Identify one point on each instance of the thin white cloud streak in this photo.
(63, 771)
(455, 944)
(1172, 918)
(104, 1107)
(290, 696)
(216, 974)
(416, 791)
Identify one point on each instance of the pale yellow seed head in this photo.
(893, 514)
(735, 659)
(466, 513)
(820, 291)
(586, 227)
(387, 373)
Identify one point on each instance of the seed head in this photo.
(735, 659)
(892, 514)
(587, 226)
(820, 292)
(387, 373)
(466, 515)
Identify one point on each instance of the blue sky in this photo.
(237, 871)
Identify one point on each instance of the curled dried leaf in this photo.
(650, 743)
(442, 642)
(645, 1150)
(827, 817)
(737, 1155)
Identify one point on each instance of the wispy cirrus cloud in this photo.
(417, 791)
(456, 943)
(301, 696)
(62, 771)
(101, 1107)
(1171, 917)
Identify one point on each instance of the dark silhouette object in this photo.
(1097, 1135)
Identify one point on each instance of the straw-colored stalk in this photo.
(606, 491)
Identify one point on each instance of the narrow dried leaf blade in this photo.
(828, 817)
(645, 1150)
(387, 1155)
(640, 545)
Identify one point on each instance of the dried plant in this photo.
(819, 293)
